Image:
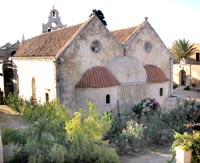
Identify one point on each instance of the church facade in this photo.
(113, 69)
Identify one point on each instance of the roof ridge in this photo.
(82, 25)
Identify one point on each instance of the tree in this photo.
(182, 49)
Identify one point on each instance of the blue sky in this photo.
(171, 19)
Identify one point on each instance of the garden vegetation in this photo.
(53, 135)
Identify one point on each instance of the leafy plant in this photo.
(146, 107)
(53, 136)
(133, 134)
(85, 132)
(187, 88)
(155, 128)
(187, 142)
(14, 102)
(88, 122)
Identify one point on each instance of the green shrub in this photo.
(177, 118)
(155, 128)
(14, 102)
(187, 88)
(193, 85)
(53, 136)
(85, 132)
(175, 85)
(133, 134)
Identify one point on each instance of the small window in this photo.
(47, 97)
(107, 99)
(197, 57)
(161, 91)
(96, 46)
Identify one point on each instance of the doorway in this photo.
(182, 77)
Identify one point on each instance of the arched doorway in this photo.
(182, 77)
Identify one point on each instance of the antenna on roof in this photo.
(146, 18)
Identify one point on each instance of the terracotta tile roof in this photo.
(47, 44)
(97, 77)
(122, 35)
(155, 74)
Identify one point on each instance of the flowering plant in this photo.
(146, 107)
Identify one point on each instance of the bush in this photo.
(145, 107)
(175, 85)
(14, 102)
(177, 118)
(53, 136)
(187, 88)
(132, 135)
(157, 124)
(193, 85)
(85, 132)
(155, 128)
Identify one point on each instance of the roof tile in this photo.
(122, 35)
(97, 77)
(155, 74)
(47, 44)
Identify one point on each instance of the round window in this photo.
(96, 46)
(147, 46)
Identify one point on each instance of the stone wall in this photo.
(98, 97)
(79, 57)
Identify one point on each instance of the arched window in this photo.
(161, 91)
(33, 89)
(107, 99)
(47, 97)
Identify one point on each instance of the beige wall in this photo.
(98, 97)
(154, 92)
(159, 54)
(43, 70)
(131, 95)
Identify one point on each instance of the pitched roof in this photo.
(97, 77)
(47, 44)
(155, 74)
(123, 35)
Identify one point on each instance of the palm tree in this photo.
(182, 49)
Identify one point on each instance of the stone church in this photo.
(113, 69)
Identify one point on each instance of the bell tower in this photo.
(54, 22)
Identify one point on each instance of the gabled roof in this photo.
(97, 77)
(51, 43)
(155, 74)
(124, 35)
